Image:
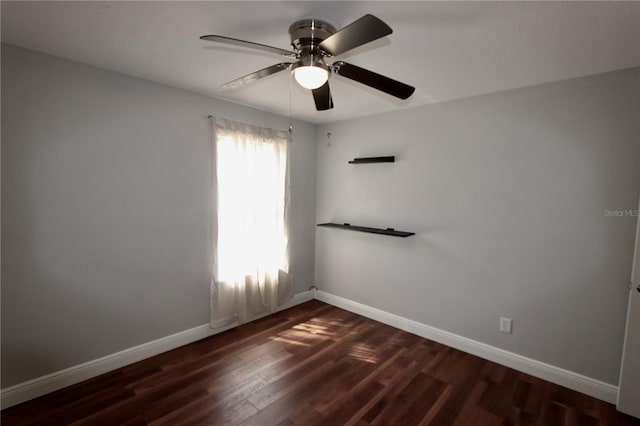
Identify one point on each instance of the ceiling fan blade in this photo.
(249, 44)
(322, 97)
(375, 80)
(366, 29)
(249, 78)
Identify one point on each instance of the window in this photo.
(250, 268)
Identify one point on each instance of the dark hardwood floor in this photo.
(315, 364)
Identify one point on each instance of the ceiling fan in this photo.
(313, 42)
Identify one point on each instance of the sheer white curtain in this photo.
(250, 231)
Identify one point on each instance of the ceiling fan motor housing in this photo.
(307, 34)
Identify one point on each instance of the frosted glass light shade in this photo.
(310, 77)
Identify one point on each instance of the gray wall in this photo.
(507, 193)
(106, 210)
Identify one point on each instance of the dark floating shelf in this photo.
(387, 231)
(387, 159)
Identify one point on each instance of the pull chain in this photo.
(290, 102)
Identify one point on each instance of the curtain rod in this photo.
(209, 116)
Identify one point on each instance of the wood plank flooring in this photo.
(315, 364)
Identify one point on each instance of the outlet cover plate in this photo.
(505, 325)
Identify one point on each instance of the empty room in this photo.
(320, 213)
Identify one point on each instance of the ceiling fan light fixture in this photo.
(310, 71)
(310, 77)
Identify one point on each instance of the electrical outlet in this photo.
(505, 325)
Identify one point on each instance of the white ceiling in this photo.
(447, 50)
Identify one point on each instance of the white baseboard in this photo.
(51, 382)
(587, 385)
